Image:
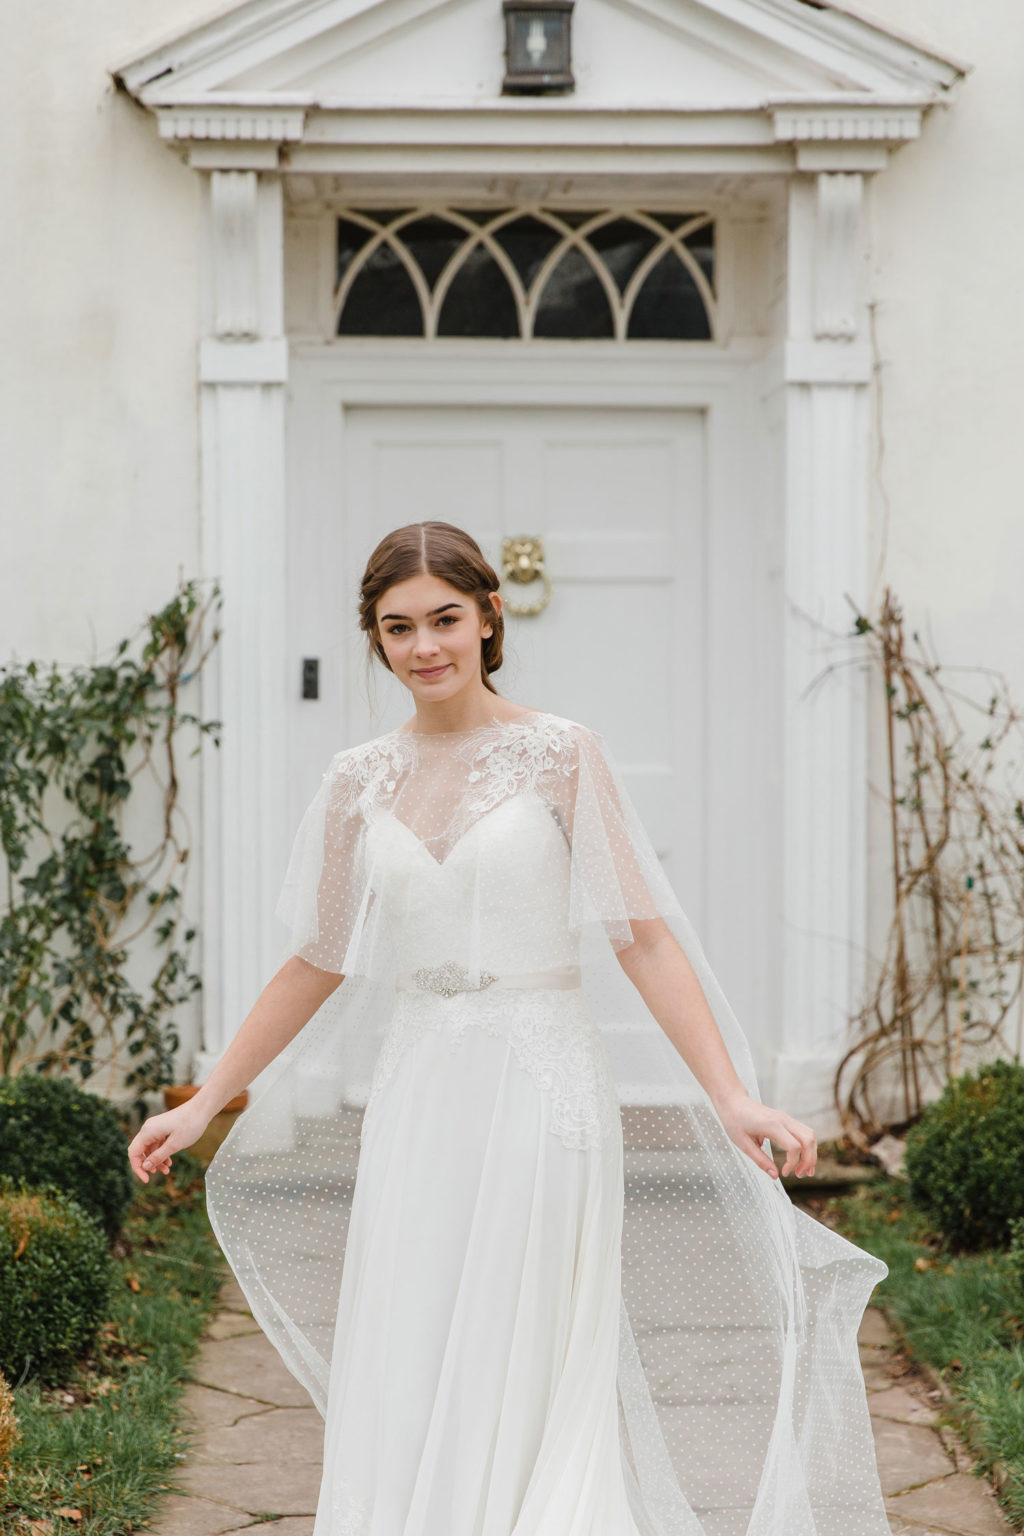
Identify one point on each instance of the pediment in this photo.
(680, 55)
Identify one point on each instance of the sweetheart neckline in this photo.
(526, 794)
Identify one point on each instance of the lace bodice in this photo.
(501, 893)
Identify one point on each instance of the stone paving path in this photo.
(255, 1460)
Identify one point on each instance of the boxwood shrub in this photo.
(54, 1133)
(55, 1279)
(965, 1156)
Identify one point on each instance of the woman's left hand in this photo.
(748, 1123)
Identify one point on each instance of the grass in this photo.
(95, 1455)
(962, 1313)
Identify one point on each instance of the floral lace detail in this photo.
(501, 760)
(553, 1037)
(349, 1515)
(361, 773)
(513, 761)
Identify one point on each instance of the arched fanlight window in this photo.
(610, 275)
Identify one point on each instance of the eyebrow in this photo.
(430, 615)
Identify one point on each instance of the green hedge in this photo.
(56, 1134)
(965, 1157)
(55, 1280)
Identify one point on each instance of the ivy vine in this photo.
(77, 744)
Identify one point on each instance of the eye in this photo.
(396, 629)
(448, 618)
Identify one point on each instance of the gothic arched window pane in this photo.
(352, 237)
(622, 245)
(432, 241)
(479, 301)
(527, 241)
(382, 301)
(702, 245)
(573, 305)
(669, 306)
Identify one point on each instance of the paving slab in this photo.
(962, 1504)
(230, 1324)
(897, 1402)
(209, 1408)
(874, 1329)
(279, 1434)
(232, 1297)
(298, 1525)
(908, 1455)
(283, 1488)
(250, 1366)
(183, 1516)
(899, 1528)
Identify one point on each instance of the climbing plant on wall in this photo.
(948, 988)
(94, 944)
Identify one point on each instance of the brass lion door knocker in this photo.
(523, 562)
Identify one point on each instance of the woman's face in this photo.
(431, 634)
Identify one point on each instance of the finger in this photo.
(140, 1150)
(794, 1152)
(808, 1148)
(159, 1155)
(799, 1142)
(758, 1155)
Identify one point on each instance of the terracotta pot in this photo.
(219, 1126)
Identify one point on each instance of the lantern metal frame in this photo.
(524, 80)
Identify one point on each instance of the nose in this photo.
(426, 644)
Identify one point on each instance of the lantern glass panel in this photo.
(538, 44)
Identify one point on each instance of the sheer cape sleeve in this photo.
(739, 1312)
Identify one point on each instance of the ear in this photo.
(496, 603)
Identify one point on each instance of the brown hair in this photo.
(433, 549)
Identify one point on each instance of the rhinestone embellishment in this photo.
(449, 978)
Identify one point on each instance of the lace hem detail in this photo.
(349, 1515)
(553, 1038)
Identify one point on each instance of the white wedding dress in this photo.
(516, 1320)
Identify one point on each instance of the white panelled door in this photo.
(617, 498)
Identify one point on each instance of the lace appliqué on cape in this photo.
(496, 767)
(552, 1036)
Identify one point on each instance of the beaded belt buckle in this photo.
(449, 978)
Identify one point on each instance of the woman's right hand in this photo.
(164, 1134)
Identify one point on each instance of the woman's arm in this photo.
(659, 969)
(287, 1002)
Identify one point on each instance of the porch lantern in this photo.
(538, 52)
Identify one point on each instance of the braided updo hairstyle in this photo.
(433, 549)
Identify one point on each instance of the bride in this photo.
(506, 1204)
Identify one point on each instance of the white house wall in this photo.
(99, 295)
(947, 520)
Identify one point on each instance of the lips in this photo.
(429, 673)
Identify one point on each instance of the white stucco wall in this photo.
(98, 327)
(950, 323)
(948, 529)
(98, 423)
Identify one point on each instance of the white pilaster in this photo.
(242, 377)
(827, 380)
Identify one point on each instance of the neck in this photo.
(471, 707)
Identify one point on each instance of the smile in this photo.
(432, 672)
